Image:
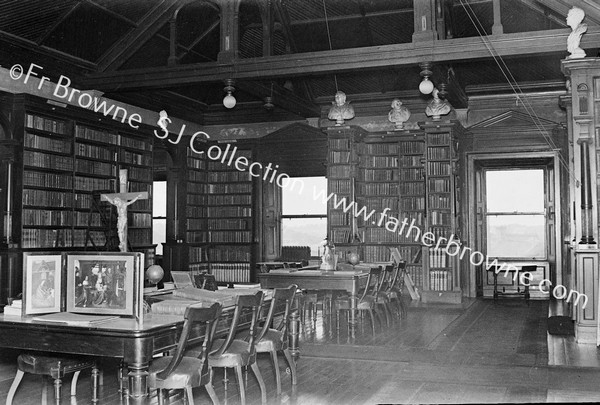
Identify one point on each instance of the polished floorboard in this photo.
(475, 352)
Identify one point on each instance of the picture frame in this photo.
(108, 283)
(42, 283)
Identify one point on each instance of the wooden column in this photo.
(229, 30)
(583, 178)
(424, 12)
(497, 28)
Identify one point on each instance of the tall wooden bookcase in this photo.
(64, 157)
(410, 175)
(216, 207)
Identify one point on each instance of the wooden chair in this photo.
(183, 372)
(393, 288)
(55, 367)
(238, 353)
(273, 340)
(368, 298)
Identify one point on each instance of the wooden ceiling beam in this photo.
(342, 60)
(562, 7)
(148, 26)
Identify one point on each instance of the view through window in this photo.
(159, 215)
(304, 218)
(515, 213)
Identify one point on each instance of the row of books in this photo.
(381, 203)
(194, 211)
(230, 236)
(379, 161)
(96, 135)
(441, 185)
(45, 124)
(416, 275)
(379, 148)
(196, 236)
(378, 188)
(440, 201)
(196, 199)
(438, 153)
(47, 161)
(412, 203)
(135, 158)
(440, 280)
(199, 267)
(440, 218)
(342, 186)
(412, 173)
(231, 188)
(229, 176)
(229, 254)
(439, 139)
(412, 188)
(377, 175)
(198, 164)
(410, 160)
(93, 183)
(234, 199)
(339, 171)
(377, 234)
(197, 254)
(139, 219)
(196, 223)
(95, 152)
(339, 143)
(229, 211)
(438, 168)
(231, 272)
(140, 173)
(411, 147)
(95, 167)
(47, 180)
(135, 143)
(339, 156)
(47, 144)
(438, 258)
(47, 198)
(197, 176)
(337, 218)
(230, 223)
(32, 217)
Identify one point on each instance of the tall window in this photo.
(304, 217)
(515, 213)
(159, 215)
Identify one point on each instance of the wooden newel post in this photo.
(122, 200)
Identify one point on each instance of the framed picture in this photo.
(105, 283)
(42, 283)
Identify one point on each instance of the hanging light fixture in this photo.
(229, 101)
(269, 101)
(426, 85)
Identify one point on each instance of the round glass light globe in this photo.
(229, 101)
(426, 86)
(154, 273)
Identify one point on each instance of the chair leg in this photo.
(291, 363)
(57, 390)
(189, 395)
(74, 383)
(372, 320)
(240, 378)
(97, 379)
(211, 393)
(277, 374)
(160, 396)
(13, 388)
(261, 383)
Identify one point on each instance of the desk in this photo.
(348, 280)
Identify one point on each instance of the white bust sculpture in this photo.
(398, 114)
(574, 20)
(340, 109)
(437, 107)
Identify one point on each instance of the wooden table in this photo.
(125, 338)
(312, 279)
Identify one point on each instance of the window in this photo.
(304, 217)
(159, 215)
(515, 213)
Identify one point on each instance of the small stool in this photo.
(55, 367)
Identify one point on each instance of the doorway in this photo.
(516, 205)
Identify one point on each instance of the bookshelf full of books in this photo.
(342, 186)
(441, 274)
(229, 223)
(70, 157)
(196, 229)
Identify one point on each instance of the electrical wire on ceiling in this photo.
(514, 85)
(329, 38)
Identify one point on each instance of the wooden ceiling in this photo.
(169, 54)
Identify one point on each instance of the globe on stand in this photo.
(353, 259)
(154, 273)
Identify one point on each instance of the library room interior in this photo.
(299, 202)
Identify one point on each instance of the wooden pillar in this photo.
(229, 30)
(424, 12)
(172, 60)
(497, 28)
(583, 178)
(266, 12)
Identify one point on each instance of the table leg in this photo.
(353, 312)
(138, 380)
(294, 338)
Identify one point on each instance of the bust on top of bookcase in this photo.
(410, 175)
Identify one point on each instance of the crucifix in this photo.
(122, 200)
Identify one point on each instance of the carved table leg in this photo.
(138, 376)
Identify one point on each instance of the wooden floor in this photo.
(477, 351)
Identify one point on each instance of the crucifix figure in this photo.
(122, 200)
